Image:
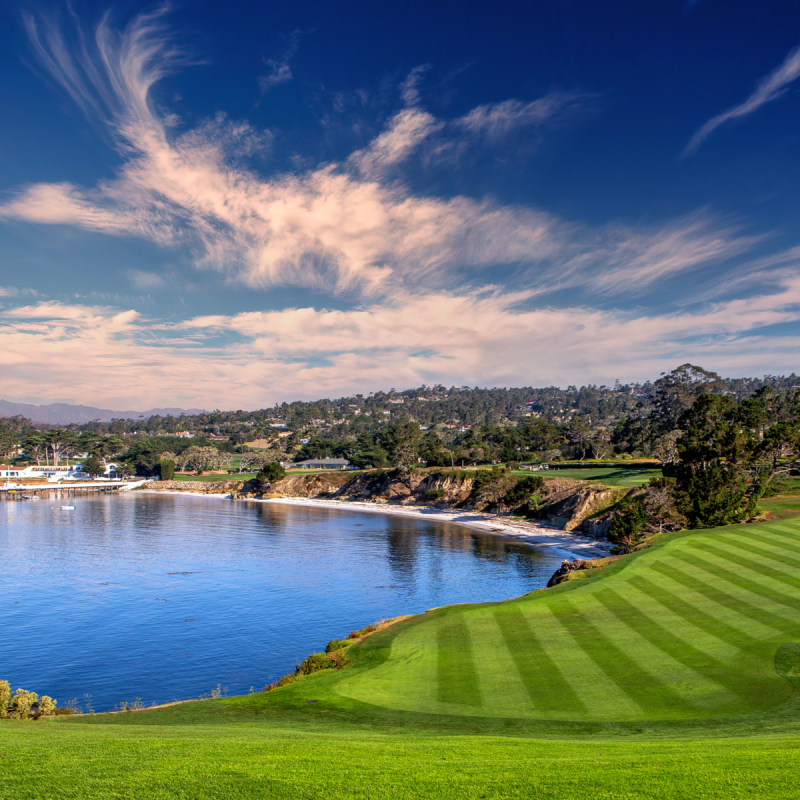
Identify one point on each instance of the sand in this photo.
(571, 545)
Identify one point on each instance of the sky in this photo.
(228, 205)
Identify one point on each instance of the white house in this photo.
(8, 472)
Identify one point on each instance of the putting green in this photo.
(684, 631)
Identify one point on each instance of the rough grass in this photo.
(672, 673)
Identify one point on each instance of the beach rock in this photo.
(566, 568)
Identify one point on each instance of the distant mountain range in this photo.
(64, 414)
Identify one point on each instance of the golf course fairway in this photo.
(670, 673)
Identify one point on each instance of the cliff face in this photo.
(563, 503)
(570, 504)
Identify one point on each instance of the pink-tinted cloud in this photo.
(485, 338)
(350, 226)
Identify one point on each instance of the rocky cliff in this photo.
(561, 503)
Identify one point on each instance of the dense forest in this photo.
(722, 444)
(448, 427)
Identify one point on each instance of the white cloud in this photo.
(769, 88)
(495, 121)
(346, 227)
(403, 135)
(144, 280)
(280, 70)
(483, 338)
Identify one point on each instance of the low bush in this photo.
(336, 644)
(316, 662)
(435, 494)
(23, 704)
(271, 472)
(371, 628)
(523, 490)
(167, 470)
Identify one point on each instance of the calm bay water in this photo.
(164, 597)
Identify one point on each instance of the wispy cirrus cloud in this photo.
(769, 88)
(280, 69)
(353, 226)
(496, 121)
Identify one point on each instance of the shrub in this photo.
(271, 472)
(435, 494)
(523, 489)
(513, 464)
(23, 704)
(363, 632)
(336, 644)
(627, 524)
(167, 470)
(286, 680)
(316, 662)
(661, 482)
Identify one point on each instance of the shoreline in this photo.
(570, 544)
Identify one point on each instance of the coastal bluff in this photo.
(561, 503)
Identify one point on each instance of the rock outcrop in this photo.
(578, 564)
(562, 503)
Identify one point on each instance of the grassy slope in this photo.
(657, 678)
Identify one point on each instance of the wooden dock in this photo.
(13, 492)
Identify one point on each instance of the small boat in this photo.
(67, 508)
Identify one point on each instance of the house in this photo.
(324, 463)
(52, 474)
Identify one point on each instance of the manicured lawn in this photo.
(263, 761)
(239, 476)
(670, 674)
(687, 630)
(611, 476)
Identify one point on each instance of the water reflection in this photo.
(163, 597)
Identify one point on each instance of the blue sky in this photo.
(226, 205)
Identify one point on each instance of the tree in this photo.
(402, 444)
(35, 446)
(167, 470)
(666, 447)
(202, 458)
(93, 466)
(492, 482)
(270, 472)
(7, 441)
(727, 460)
(61, 443)
(628, 524)
(434, 453)
(674, 392)
(579, 436)
(522, 491)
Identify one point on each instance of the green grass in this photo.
(610, 476)
(672, 673)
(238, 476)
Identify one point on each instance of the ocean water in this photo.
(166, 597)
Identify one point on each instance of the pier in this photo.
(11, 492)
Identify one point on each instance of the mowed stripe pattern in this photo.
(687, 630)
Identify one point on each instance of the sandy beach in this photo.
(569, 544)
